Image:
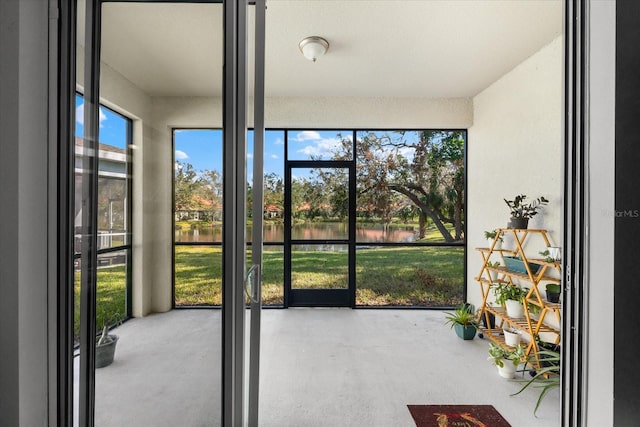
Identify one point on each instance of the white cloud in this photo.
(181, 155)
(307, 135)
(80, 115)
(275, 156)
(324, 148)
(249, 155)
(279, 141)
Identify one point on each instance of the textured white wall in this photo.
(516, 146)
(152, 190)
(601, 207)
(394, 113)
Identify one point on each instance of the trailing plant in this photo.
(506, 291)
(520, 209)
(499, 354)
(462, 315)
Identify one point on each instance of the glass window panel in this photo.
(273, 275)
(319, 145)
(198, 185)
(198, 275)
(427, 276)
(319, 266)
(414, 179)
(111, 297)
(319, 203)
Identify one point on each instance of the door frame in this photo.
(320, 297)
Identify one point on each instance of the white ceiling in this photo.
(378, 48)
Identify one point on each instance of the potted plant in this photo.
(487, 318)
(510, 296)
(521, 211)
(553, 292)
(491, 236)
(463, 321)
(551, 254)
(506, 359)
(511, 336)
(106, 343)
(493, 274)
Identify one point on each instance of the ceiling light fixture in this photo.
(313, 47)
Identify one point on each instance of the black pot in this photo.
(106, 352)
(553, 296)
(521, 223)
(492, 320)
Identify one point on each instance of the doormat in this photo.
(456, 416)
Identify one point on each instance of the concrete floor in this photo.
(319, 367)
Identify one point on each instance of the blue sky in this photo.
(202, 148)
(113, 127)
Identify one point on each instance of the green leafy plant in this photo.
(493, 264)
(547, 256)
(521, 209)
(553, 287)
(461, 316)
(499, 354)
(533, 308)
(546, 378)
(506, 291)
(492, 235)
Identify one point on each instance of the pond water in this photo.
(365, 233)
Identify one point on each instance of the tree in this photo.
(426, 167)
(186, 184)
(273, 191)
(209, 192)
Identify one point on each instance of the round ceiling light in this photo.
(313, 47)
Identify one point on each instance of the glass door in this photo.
(319, 234)
(164, 66)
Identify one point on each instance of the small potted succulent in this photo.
(506, 359)
(521, 211)
(463, 321)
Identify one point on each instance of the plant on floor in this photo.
(500, 355)
(463, 321)
(106, 342)
(506, 359)
(546, 378)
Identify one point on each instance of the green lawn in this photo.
(429, 276)
(423, 276)
(110, 299)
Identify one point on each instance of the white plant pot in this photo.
(494, 276)
(497, 246)
(511, 339)
(514, 308)
(554, 252)
(508, 370)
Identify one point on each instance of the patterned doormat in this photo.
(456, 416)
